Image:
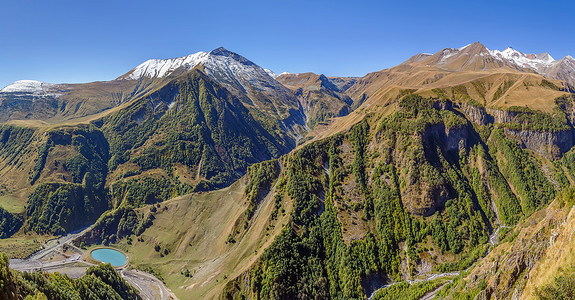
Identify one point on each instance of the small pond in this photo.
(108, 255)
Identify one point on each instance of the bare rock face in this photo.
(477, 115)
(456, 138)
(548, 144)
(501, 116)
(428, 201)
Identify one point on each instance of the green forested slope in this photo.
(422, 186)
(191, 122)
(189, 135)
(58, 207)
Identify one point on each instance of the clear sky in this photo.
(80, 41)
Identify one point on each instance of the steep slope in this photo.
(563, 69)
(320, 97)
(525, 260)
(544, 64)
(268, 100)
(557, 260)
(343, 83)
(189, 135)
(193, 131)
(520, 59)
(438, 188)
(474, 57)
(53, 180)
(29, 99)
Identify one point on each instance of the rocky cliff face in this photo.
(422, 197)
(477, 115)
(548, 144)
(551, 144)
(501, 116)
(450, 138)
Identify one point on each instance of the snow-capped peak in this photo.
(29, 86)
(509, 51)
(219, 58)
(230, 69)
(531, 61)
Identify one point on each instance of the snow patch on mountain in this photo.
(543, 63)
(163, 67)
(449, 52)
(27, 86)
(271, 73)
(220, 62)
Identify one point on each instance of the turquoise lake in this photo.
(107, 255)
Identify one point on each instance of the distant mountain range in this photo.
(476, 57)
(255, 86)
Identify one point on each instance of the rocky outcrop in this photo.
(548, 144)
(485, 116)
(424, 197)
(501, 116)
(449, 139)
(477, 115)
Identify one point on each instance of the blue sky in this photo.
(80, 41)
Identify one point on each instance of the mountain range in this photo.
(449, 175)
(260, 88)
